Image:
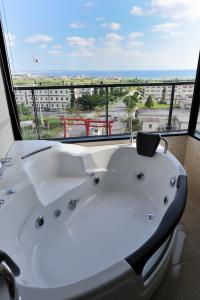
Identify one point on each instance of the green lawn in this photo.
(155, 105)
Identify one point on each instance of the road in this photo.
(117, 110)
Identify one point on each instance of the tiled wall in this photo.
(6, 135)
(177, 145)
(192, 166)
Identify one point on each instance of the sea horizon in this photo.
(137, 74)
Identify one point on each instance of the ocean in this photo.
(139, 74)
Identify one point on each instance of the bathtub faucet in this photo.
(166, 144)
(3, 164)
(8, 271)
(9, 279)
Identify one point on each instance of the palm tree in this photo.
(131, 102)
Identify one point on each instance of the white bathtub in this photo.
(118, 240)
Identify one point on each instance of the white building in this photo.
(182, 93)
(46, 99)
(50, 99)
(157, 119)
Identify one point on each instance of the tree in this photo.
(133, 124)
(90, 102)
(149, 102)
(136, 125)
(72, 97)
(22, 109)
(163, 98)
(131, 101)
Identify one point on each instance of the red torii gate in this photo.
(87, 123)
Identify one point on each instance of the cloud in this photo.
(43, 46)
(135, 35)
(82, 52)
(133, 39)
(38, 38)
(177, 9)
(77, 25)
(55, 52)
(78, 41)
(187, 10)
(137, 11)
(165, 27)
(57, 47)
(113, 38)
(88, 5)
(10, 39)
(112, 26)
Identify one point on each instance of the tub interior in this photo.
(107, 227)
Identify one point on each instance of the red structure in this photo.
(88, 123)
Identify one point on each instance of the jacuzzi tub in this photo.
(90, 223)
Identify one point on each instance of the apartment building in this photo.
(50, 99)
(181, 96)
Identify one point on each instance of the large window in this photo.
(81, 68)
(102, 110)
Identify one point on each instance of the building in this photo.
(181, 96)
(50, 99)
(157, 119)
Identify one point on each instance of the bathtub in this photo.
(89, 223)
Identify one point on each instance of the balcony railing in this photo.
(60, 112)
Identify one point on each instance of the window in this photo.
(198, 123)
(149, 47)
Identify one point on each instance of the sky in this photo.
(102, 34)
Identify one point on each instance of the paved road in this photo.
(117, 110)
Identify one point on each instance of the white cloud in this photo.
(137, 11)
(135, 35)
(133, 43)
(113, 38)
(165, 27)
(57, 47)
(77, 25)
(82, 52)
(38, 38)
(78, 41)
(55, 52)
(10, 39)
(43, 46)
(89, 4)
(112, 26)
(177, 9)
(133, 39)
(187, 10)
